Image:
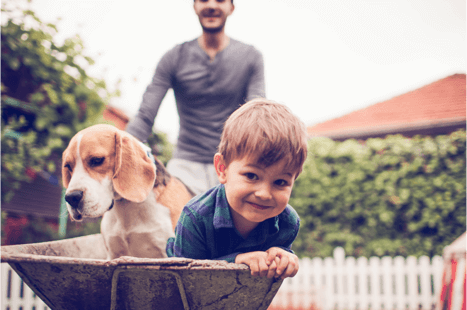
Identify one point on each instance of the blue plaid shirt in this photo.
(206, 230)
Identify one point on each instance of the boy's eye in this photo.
(281, 182)
(251, 176)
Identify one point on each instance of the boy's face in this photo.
(255, 193)
(213, 14)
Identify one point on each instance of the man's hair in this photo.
(265, 129)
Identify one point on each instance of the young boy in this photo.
(246, 219)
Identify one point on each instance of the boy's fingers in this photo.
(254, 267)
(272, 269)
(263, 268)
(282, 266)
(287, 272)
(291, 270)
(272, 253)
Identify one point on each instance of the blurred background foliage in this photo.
(161, 146)
(46, 96)
(392, 196)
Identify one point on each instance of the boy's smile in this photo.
(256, 193)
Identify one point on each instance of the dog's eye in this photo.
(96, 161)
(68, 167)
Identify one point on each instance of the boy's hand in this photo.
(257, 263)
(287, 265)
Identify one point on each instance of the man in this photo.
(211, 77)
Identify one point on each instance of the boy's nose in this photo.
(263, 192)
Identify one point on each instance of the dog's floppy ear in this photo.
(134, 172)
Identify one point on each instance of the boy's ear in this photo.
(219, 164)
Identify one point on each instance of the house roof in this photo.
(436, 108)
(117, 116)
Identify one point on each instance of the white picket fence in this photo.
(333, 283)
(377, 283)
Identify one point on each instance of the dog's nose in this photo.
(74, 198)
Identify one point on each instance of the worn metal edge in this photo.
(163, 263)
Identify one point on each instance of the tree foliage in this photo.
(46, 96)
(393, 196)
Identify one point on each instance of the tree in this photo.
(46, 96)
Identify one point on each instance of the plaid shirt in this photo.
(206, 230)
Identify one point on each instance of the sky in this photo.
(323, 58)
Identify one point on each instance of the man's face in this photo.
(213, 14)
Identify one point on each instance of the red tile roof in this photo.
(432, 109)
(117, 116)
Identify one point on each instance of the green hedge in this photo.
(392, 196)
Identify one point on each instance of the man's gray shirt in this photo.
(206, 93)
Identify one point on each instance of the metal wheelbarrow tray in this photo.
(74, 274)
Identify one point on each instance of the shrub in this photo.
(392, 196)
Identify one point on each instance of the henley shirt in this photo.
(206, 93)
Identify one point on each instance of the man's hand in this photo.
(258, 264)
(287, 263)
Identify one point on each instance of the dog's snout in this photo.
(74, 198)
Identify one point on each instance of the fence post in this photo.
(387, 283)
(4, 284)
(338, 278)
(351, 273)
(362, 265)
(305, 285)
(424, 271)
(437, 271)
(412, 282)
(375, 284)
(400, 285)
(328, 277)
(317, 280)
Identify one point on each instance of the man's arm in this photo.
(141, 125)
(256, 86)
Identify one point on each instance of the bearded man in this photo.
(211, 76)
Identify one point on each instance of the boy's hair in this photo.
(267, 128)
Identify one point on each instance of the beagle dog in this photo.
(109, 173)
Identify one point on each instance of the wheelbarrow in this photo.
(74, 274)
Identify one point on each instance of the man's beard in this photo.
(213, 30)
(208, 13)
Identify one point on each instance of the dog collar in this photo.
(148, 151)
